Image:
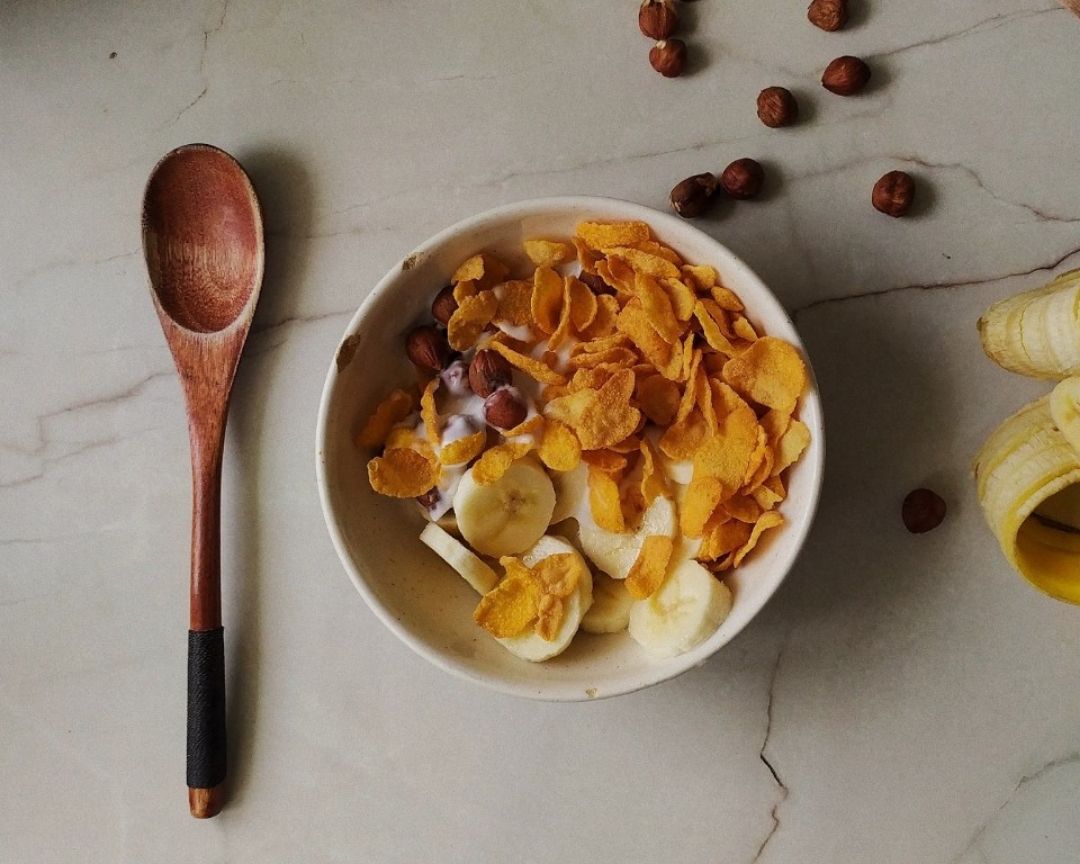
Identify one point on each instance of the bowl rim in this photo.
(521, 209)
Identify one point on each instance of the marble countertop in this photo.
(902, 699)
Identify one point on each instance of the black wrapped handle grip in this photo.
(206, 708)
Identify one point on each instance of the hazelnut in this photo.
(657, 18)
(894, 193)
(743, 178)
(923, 510)
(429, 499)
(505, 409)
(444, 305)
(427, 348)
(828, 14)
(692, 196)
(845, 76)
(776, 107)
(488, 372)
(668, 57)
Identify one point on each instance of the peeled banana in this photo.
(1028, 480)
(1036, 333)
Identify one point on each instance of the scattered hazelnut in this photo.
(444, 305)
(657, 18)
(922, 511)
(427, 348)
(488, 372)
(894, 193)
(743, 178)
(845, 76)
(691, 197)
(828, 14)
(776, 107)
(429, 499)
(668, 57)
(505, 409)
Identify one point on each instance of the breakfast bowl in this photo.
(411, 590)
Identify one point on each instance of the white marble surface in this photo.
(915, 700)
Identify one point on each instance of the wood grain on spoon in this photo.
(203, 242)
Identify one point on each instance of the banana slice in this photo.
(511, 514)
(481, 577)
(685, 611)
(529, 646)
(571, 489)
(610, 610)
(1036, 333)
(615, 553)
(1025, 474)
(1065, 409)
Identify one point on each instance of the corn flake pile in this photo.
(639, 361)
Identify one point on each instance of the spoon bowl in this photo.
(203, 243)
(202, 238)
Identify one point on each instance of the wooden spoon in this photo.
(203, 243)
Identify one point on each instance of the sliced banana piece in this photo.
(471, 567)
(1065, 409)
(511, 514)
(1027, 463)
(530, 646)
(684, 612)
(1036, 333)
(571, 489)
(610, 610)
(615, 553)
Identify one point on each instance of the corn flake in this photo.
(484, 269)
(512, 605)
(599, 235)
(515, 303)
(703, 496)
(586, 257)
(744, 329)
(682, 298)
(548, 253)
(605, 460)
(546, 301)
(791, 446)
(470, 318)
(401, 473)
(726, 299)
(643, 262)
(397, 405)
(562, 329)
(549, 617)
(653, 479)
(535, 369)
(464, 450)
(465, 289)
(559, 448)
(770, 372)
(583, 305)
(428, 413)
(659, 399)
(559, 575)
(725, 455)
(648, 571)
(604, 502)
(742, 508)
(703, 276)
(657, 306)
(599, 417)
(722, 536)
(497, 460)
(712, 331)
(768, 520)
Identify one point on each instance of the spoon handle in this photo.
(206, 745)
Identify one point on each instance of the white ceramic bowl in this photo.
(411, 590)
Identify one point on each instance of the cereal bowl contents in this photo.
(599, 425)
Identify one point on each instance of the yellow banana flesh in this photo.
(1028, 480)
(1036, 333)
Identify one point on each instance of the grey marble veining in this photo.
(901, 699)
